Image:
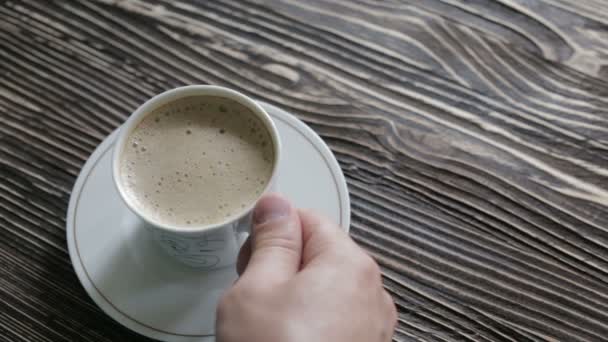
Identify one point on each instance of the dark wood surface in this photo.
(473, 135)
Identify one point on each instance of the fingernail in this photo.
(270, 208)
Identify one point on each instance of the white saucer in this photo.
(130, 279)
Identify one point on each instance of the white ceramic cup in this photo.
(207, 246)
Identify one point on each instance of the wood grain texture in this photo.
(473, 135)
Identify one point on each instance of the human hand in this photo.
(303, 279)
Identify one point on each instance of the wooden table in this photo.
(473, 134)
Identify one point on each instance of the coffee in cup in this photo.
(191, 163)
(196, 161)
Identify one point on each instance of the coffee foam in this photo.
(197, 161)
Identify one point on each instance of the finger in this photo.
(391, 321)
(276, 242)
(320, 236)
(243, 258)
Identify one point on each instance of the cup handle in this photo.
(243, 229)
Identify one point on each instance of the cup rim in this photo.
(172, 95)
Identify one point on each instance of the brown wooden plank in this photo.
(571, 32)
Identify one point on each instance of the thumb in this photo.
(275, 242)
